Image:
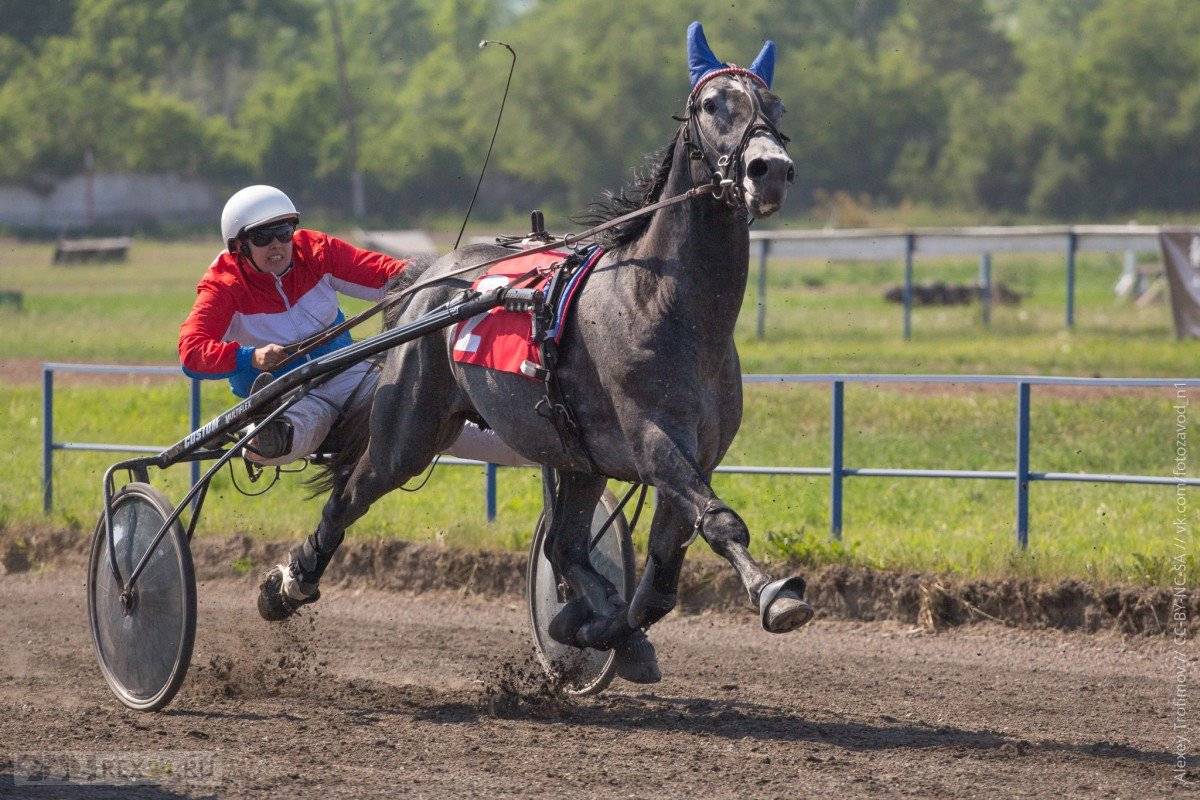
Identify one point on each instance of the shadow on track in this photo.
(735, 720)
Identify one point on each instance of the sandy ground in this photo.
(384, 694)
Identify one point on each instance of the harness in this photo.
(548, 325)
(555, 285)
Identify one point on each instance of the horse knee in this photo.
(721, 527)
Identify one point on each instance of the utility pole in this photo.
(89, 188)
(358, 200)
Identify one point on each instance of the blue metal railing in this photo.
(837, 472)
(49, 445)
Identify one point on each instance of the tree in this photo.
(853, 116)
(956, 36)
(30, 21)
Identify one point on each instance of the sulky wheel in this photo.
(143, 643)
(585, 671)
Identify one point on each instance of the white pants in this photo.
(314, 415)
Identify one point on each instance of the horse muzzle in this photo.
(768, 174)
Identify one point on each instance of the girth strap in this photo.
(553, 405)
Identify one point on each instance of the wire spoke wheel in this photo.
(143, 643)
(584, 671)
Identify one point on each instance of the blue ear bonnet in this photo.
(764, 63)
(702, 60)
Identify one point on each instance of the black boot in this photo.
(274, 440)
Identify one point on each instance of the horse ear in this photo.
(700, 55)
(764, 63)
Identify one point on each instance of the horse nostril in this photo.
(791, 176)
(756, 169)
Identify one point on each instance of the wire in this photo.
(271, 485)
(428, 475)
(512, 67)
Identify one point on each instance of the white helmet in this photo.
(251, 207)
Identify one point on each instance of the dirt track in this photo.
(386, 694)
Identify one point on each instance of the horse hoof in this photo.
(567, 622)
(782, 605)
(636, 660)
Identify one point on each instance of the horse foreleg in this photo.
(656, 591)
(781, 602)
(683, 487)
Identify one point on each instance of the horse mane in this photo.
(645, 188)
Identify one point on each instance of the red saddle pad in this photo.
(502, 339)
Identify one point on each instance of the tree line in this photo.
(1055, 108)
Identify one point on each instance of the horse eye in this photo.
(710, 105)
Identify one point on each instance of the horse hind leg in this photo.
(656, 593)
(348, 502)
(410, 421)
(595, 615)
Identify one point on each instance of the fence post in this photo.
(1072, 247)
(47, 439)
(985, 287)
(1023, 465)
(763, 249)
(490, 491)
(836, 436)
(909, 246)
(195, 424)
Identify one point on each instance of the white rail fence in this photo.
(872, 244)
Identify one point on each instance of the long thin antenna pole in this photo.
(512, 67)
(358, 200)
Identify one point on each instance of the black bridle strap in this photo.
(733, 159)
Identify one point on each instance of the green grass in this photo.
(821, 317)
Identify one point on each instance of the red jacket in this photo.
(238, 308)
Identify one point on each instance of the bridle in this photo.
(727, 174)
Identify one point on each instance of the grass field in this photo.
(821, 317)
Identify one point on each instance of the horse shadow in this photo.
(738, 720)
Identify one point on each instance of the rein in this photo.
(721, 186)
(305, 346)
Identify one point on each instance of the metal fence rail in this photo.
(49, 445)
(1022, 475)
(873, 244)
(837, 471)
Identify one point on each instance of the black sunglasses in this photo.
(261, 237)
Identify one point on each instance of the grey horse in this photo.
(647, 368)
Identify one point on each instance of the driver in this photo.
(276, 284)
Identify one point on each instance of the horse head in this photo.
(732, 126)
